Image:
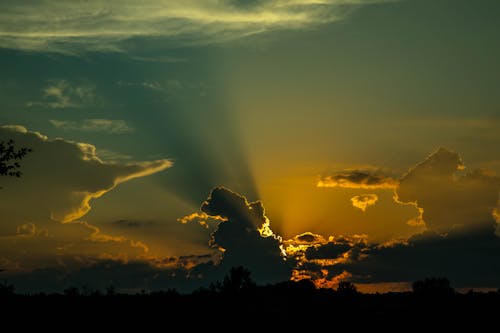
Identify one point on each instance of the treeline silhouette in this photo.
(239, 297)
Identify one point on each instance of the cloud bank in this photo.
(61, 177)
(240, 234)
(74, 26)
(459, 208)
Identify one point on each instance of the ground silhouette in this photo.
(286, 304)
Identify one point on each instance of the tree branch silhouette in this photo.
(10, 157)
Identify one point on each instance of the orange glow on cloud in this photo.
(364, 201)
(357, 180)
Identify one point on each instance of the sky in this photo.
(321, 139)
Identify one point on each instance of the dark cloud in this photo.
(330, 250)
(361, 179)
(131, 277)
(448, 196)
(467, 258)
(246, 237)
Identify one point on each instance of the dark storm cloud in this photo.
(361, 179)
(330, 250)
(466, 258)
(246, 237)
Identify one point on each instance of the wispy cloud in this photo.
(73, 26)
(111, 126)
(114, 156)
(166, 86)
(158, 59)
(61, 94)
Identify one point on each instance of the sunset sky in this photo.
(321, 139)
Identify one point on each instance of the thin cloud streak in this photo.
(111, 126)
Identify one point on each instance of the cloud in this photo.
(158, 59)
(242, 233)
(308, 238)
(68, 246)
(447, 195)
(364, 201)
(109, 126)
(72, 26)
(165, 86)
(466, 258)
(113, 156)
(330, 250)
(152, 85)
(459, 209)
(61, 177)
(127, 277)
(321, 260)
(60, 94)
(27, 229)
(358, 179)
(203, 219)
(244, 236)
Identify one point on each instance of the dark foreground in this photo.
(284, 305)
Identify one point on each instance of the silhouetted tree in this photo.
(237, 280)
(433, 287)
(10, 157)
(71, 291)
(110, 290)
(347, 288)
(7, 289)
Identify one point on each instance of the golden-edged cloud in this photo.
(72, 26)
(364, 201)
(357, 179)
(458, 207)
(447, 196)
(243, 235)
(61, 177)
